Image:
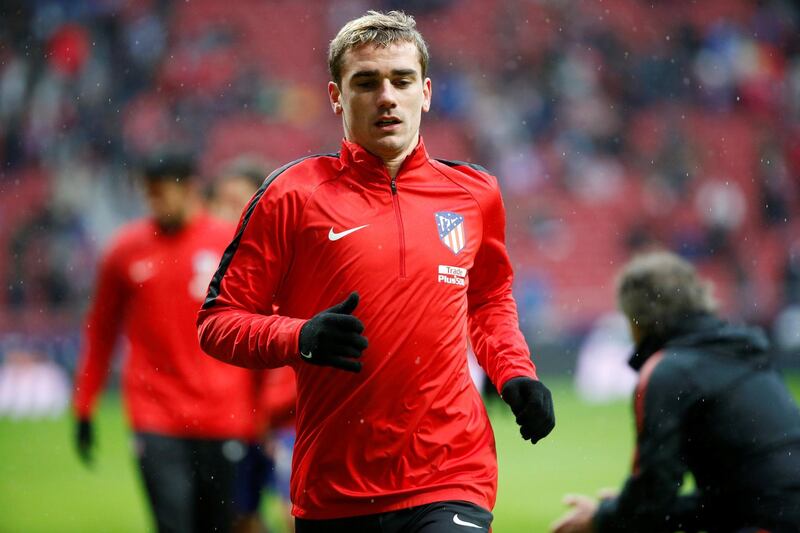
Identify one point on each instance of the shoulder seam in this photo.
(474, 199)
(456, 163)
(311, 195)
(230, 251)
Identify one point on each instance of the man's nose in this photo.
(387, 96)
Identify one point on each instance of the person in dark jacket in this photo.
(708, 402)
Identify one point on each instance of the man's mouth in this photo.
(387, 122)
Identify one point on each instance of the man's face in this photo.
(231, 197)
(169, 202)
(381, 98)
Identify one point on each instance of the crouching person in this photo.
(708, 402)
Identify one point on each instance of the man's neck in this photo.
(393, 164)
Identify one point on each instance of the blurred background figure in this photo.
(268, 462)
(189, 413)
(227, 195)
(708, 401)
(280, 398)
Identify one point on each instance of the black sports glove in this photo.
(333, 337)
(84, 440)
(532, 404)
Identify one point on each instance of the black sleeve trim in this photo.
(230, 251)
(473, 166)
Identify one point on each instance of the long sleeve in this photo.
(493, 321)
(649, 500)
(103, 324)
(236, 323)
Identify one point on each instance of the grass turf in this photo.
(44, 488)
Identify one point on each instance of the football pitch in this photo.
(44, 488)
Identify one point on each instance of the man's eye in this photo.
(365, 84)
(402, 83)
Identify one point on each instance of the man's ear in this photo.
(426, 93)
(334, 95)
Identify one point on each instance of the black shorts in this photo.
(439, 517)
(252, 474)
(189, 482)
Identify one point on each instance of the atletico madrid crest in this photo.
(451, 230)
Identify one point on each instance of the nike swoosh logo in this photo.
(459, 522)
(332, 235)
(306, 355)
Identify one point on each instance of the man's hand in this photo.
(333, 337)
(580, 518)
(607, 493)
(532, 404)
(84, 440)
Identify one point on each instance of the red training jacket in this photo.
(149, 286)
(426, 253)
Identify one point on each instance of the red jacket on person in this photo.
(426, 254)
(149, 286)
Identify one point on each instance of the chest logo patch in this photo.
(333, 236)
(451, 230)
(452, 275)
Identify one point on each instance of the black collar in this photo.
(653, 343)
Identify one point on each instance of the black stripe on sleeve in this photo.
(473, 166)
(230, 251)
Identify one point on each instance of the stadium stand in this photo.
(611, 125)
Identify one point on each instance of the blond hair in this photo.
(382, 29)
(657, 290)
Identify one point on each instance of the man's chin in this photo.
(170, 225)
(389, 147)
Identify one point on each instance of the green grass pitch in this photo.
(44, 488)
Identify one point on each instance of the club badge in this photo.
(451, 230)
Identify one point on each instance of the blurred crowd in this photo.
(612, 125)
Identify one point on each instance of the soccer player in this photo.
(187, 410)
(366, 271)
(268, 458)
(709, 402)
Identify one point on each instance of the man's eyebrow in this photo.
(365, 74)
(374, 73)
(404, 72)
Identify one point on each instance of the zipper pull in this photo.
(393, 184)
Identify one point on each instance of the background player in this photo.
(187, 410)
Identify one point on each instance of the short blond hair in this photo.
(382, 29)
(657, 290)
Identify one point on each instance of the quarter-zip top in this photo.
(410, 428)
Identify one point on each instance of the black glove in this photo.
(84, 440)
(333, 337)
(532, 404)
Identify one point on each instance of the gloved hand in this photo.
(532, 404)
(84, 440)
(333, 337)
